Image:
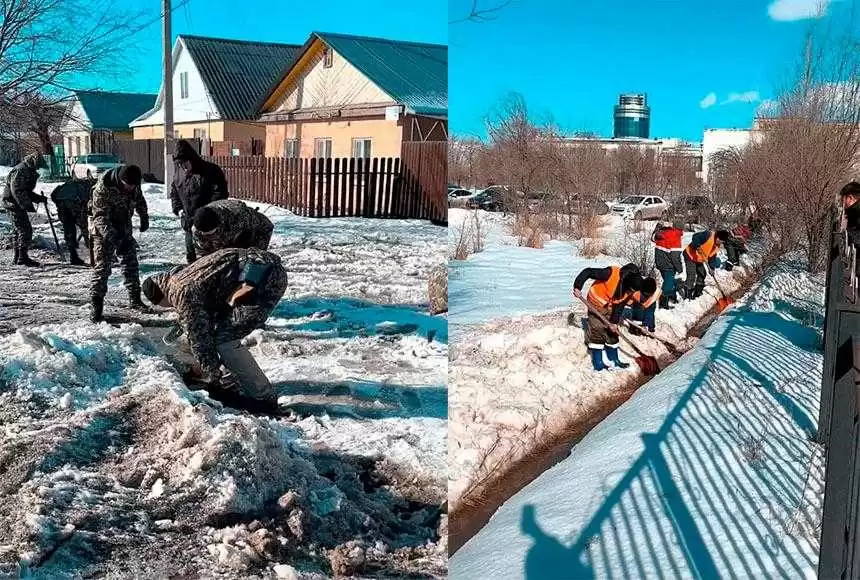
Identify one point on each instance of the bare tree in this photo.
(482, 12)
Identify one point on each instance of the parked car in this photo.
(93, 164)
(458, 197)
(692, 209)
(490, 199)
(640, 207)
(590, 206)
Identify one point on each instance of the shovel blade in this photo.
(648, 365)
(724, 303)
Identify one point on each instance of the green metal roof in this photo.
(114, 111)
(238, 73)
(414, 74)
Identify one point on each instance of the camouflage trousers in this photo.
(103, 251)
(22, 231)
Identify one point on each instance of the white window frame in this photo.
(366, 146)
(183, 85)
(200, 134)
(291, 148)
(328, 57)
(326, 142)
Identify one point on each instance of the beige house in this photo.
(217, 86)
(352, 96)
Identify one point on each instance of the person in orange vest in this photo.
(644, 307)
(700, 254)
(612, 289)
(668, 260)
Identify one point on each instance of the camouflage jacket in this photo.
(110, 208)
(18, 192)
(73, 195)
(199, 294)
(240, 227)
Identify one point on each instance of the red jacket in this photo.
(668, 239)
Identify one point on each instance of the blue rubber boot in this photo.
(597, 359)
(612, 355)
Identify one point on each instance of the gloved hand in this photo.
(728, 266)
(144, 223)
(634, 330)
(39, 198)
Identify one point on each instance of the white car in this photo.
(640, 207)
(93, 165)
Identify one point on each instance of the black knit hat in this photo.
(130, 174)
(184, 151)
(206, 219)
(632, 282)
(649, 285)
(722, 235)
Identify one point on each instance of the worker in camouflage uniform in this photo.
(229, 223)
(115, 198)
(18, 200)
(71, 200)
(220, 299)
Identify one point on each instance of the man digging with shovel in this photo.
(613, 287)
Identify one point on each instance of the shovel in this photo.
(669, 346)
(648, 364)
(725, 301)
(53, 231)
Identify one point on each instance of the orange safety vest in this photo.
(705, 252)
(637, 296)
(602, 292)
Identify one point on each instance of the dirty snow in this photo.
(708, 471)
(519, 375)
(110, 465)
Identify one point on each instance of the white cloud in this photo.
(789, 10)
(708, 101)
(746, 97)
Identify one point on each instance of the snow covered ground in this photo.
(110, 465)
(708, 471)
(519, 374)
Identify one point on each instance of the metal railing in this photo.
(838, 427)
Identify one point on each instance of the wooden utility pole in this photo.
(167, 103)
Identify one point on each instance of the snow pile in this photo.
(519, 382)
(708, 470)
(110, 465)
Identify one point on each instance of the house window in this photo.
(322, 147)
(361, 148)
(78, 146)
(291, 148)
(183, 85)
(327, 57)
(200, 134)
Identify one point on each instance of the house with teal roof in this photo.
(93, 120)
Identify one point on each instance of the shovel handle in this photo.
(605, 320)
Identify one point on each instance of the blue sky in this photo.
(289, 21)
(702, 64)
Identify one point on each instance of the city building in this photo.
(632, 118)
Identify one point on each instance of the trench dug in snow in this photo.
(468, 517)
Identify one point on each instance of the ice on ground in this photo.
(110, 465)
(519, 374)
(708, 471)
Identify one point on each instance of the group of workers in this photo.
(682, 270)
(229, 286)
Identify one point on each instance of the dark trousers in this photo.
(645, 315)
(190, 252)
(695, 275)
(668, 286)
(72, 221)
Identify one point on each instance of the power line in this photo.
(158, 18)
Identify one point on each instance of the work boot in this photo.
(597, 359)
(612, 355)
(24, 259)
(75, 260)
(97, 310)
(673, 297)
(664, 302)
(135, 303)
(698, 290)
